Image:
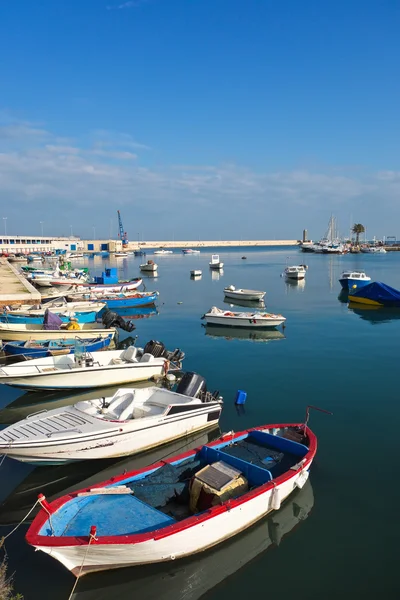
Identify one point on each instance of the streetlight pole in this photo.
(5, 225)
(41, 225)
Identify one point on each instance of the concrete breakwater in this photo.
(211, 244)
(14, 288)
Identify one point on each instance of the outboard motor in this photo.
(192, 385)
(155, 348)
(112, 319)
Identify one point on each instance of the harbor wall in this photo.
(211, 243)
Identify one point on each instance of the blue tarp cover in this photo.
(380, 292)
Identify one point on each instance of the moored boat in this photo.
(241, 294)
(149, 267)
(122, 300)
(255, 320)
(179, 506)
(190, 251)
(163, 251)
(349, 279)
(296, 272)
(85, 369)
(215, 263)
(132, 420)
(375, 294)
(44, 348)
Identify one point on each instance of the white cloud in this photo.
(89, 181)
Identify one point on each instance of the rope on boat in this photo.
(20, 523)
(92, 538)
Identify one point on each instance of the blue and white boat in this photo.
(122, 299)
(45, 348)
(349, 279)
(81, 317)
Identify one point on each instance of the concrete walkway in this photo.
(14, 288)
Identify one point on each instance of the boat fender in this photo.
(276, 499)
(302, 479)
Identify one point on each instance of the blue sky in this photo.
(218, 119)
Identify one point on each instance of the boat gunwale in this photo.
(35, 539)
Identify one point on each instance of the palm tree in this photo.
(358, 229)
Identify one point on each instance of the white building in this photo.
(25, 244)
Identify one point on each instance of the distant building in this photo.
(23, 244)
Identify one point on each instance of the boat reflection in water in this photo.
(343, 296)
(216, 274)
(247, 303)
(230, 333)
(375, 314)
(190, 579)
(137, 313)
(54, 481)
(295, 285)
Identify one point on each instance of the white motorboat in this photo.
(350, 278)
(14, 331)
(120, 254)
(91, 369)
(101, 288)
(163, 251)
(216, 316)
(76, 255)
(373, 250)
(149, 267)
(131, 421)
(241, 294)
(190, 251)
(215, 263)
(296, 272)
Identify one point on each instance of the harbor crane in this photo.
(122, 234)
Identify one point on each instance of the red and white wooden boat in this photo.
(179, 506)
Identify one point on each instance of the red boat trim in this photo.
(33, 537)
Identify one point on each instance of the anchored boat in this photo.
(216, 316)
(131, 421)
(349, 279)
(179, 506)
(240, 294)
(375, 294)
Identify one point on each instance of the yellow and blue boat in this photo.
(375, 294)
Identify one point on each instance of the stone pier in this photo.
(14, 288)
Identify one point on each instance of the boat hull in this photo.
(348, 283)
(252, 323)
(128, 439)
(250, 295)
(10, 333)
(18, 349)
(82, 317)
(163, 547)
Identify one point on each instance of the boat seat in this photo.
(122, 407)
(147, 357)
(130, 354)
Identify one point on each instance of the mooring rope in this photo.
(92, 537)
(20, 523)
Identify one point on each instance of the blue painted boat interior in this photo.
(161, 496)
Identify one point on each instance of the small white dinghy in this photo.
(296, 272)
(92, 369)
(240, 294)
(131, 421)
(149, 267)
(216, 316)
(215, 263)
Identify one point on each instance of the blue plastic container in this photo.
(241, 397)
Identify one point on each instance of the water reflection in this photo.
(247, 303)
(230, 333)
(190, 579)
(293, 285)
(215, 275)
(376, 314)
(343, 296)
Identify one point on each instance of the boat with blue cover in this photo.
(179, 506)
(349, 279)
(376, 294)
(44, 348)
(81, 317)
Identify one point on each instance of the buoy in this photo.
(241, 397)
(179, 302)
(276, 499)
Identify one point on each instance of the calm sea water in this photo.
(338, 538)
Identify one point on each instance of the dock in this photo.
(14, 288)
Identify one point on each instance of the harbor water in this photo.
(336, 538)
